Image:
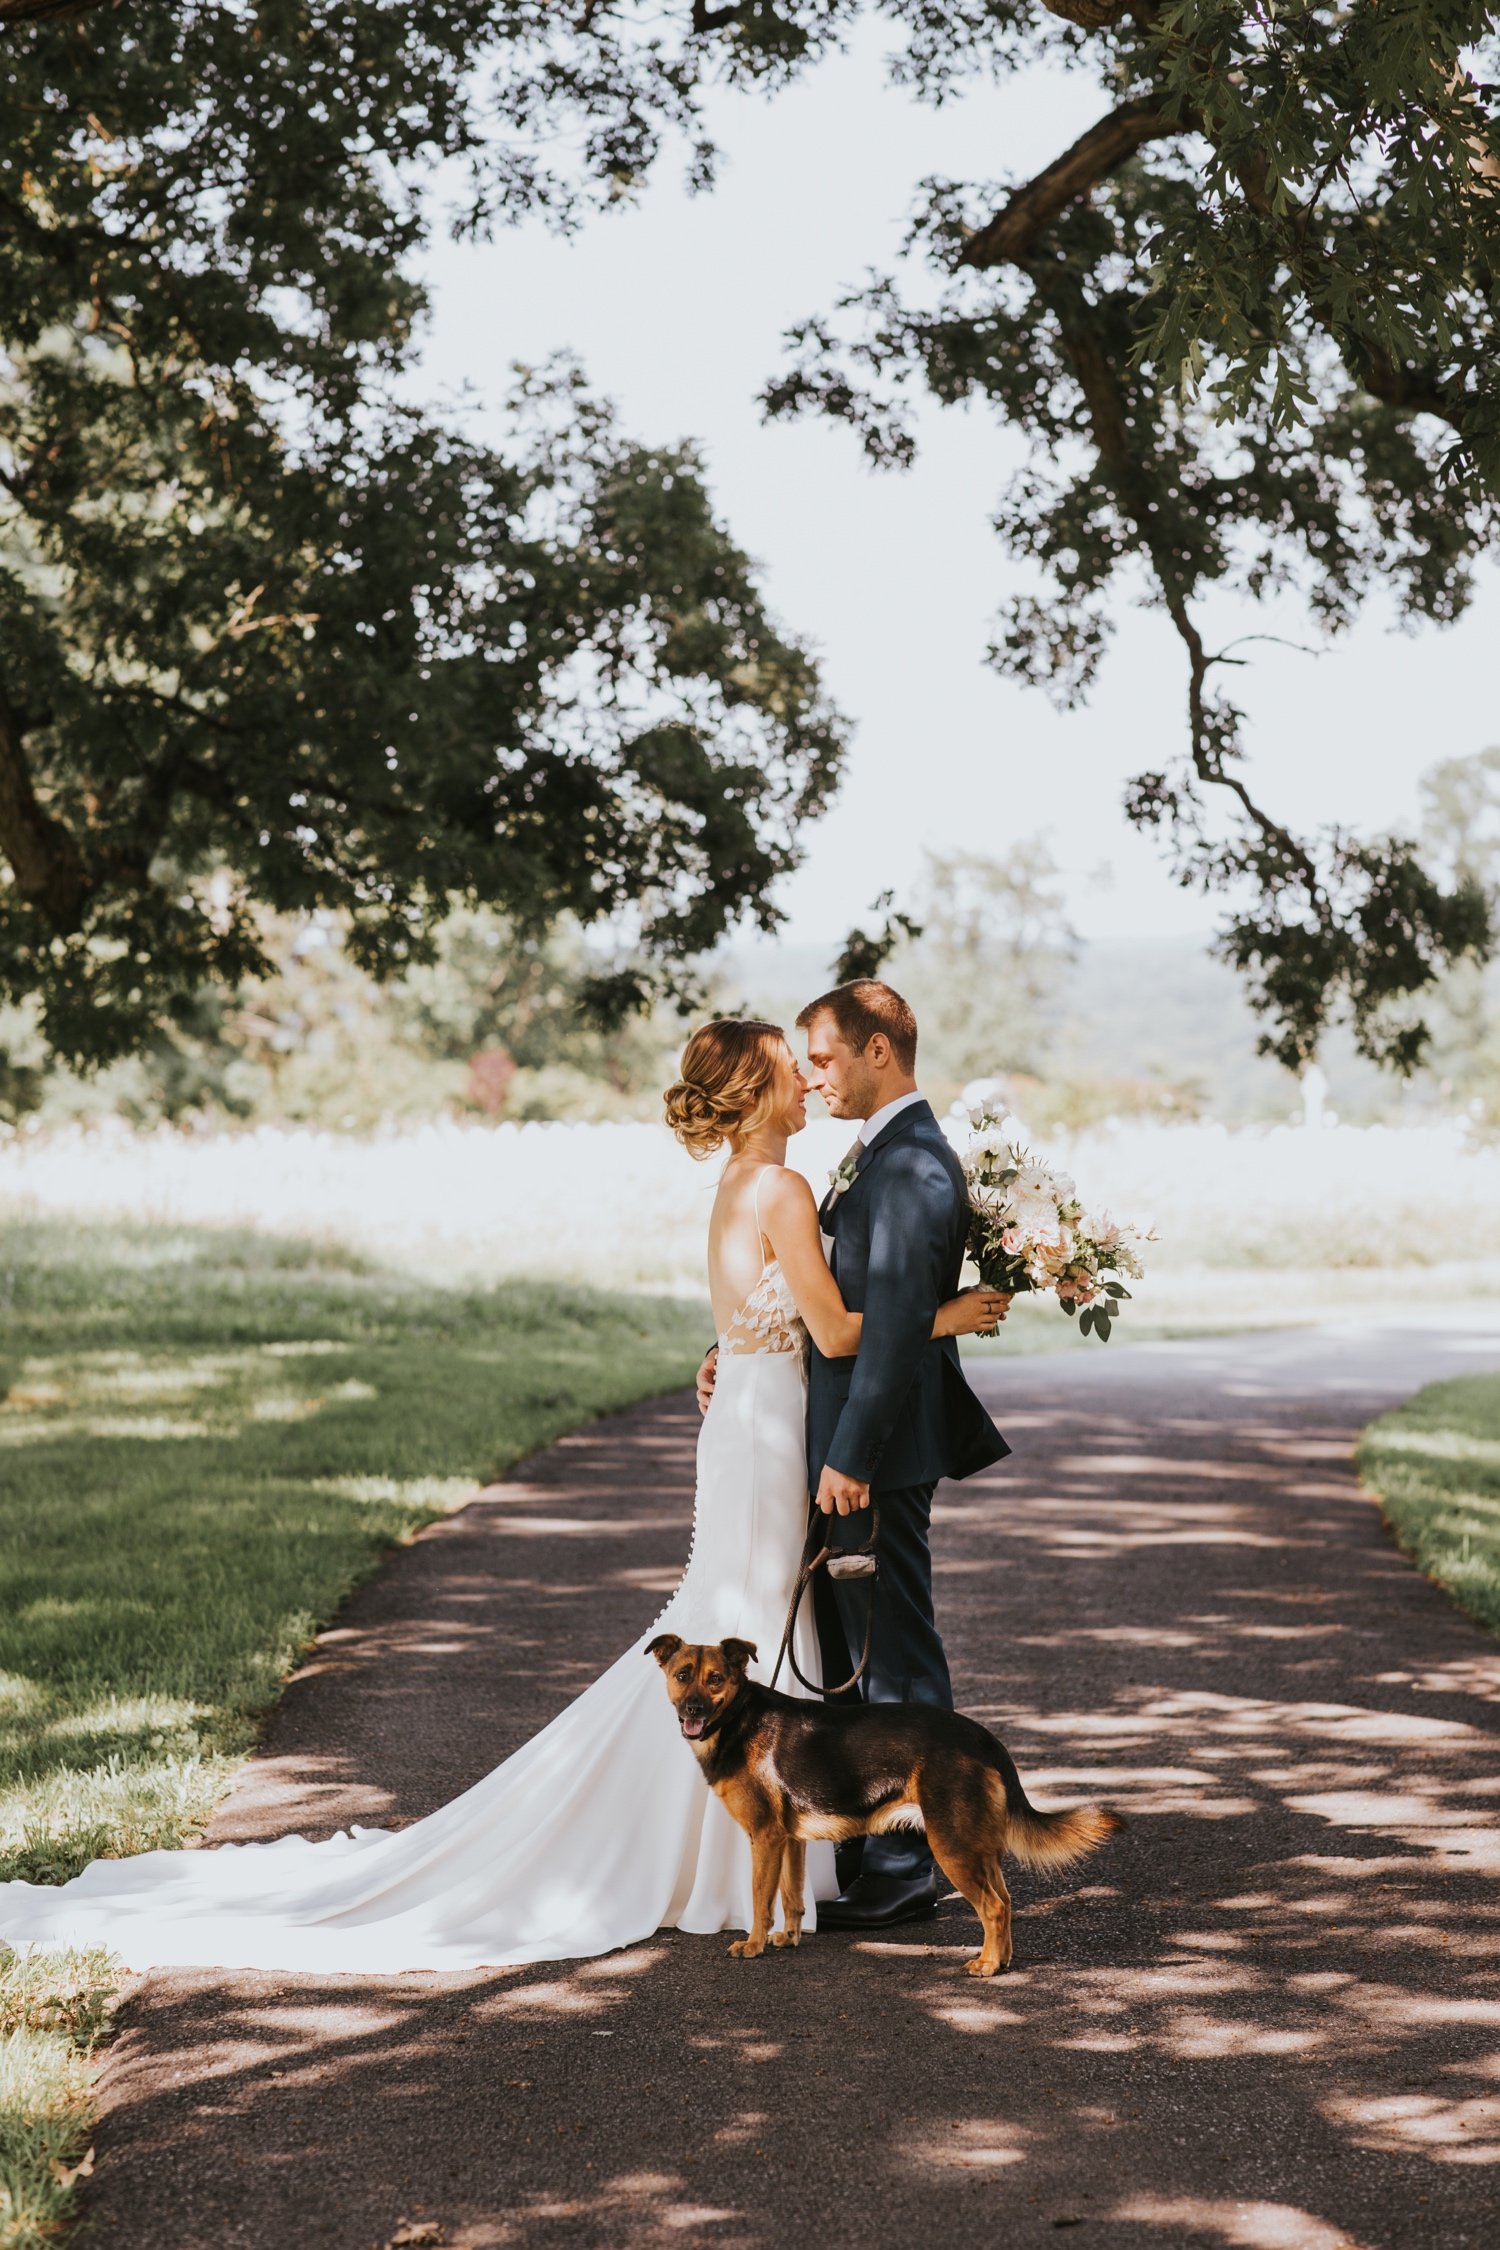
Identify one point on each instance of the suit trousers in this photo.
(907, 1662)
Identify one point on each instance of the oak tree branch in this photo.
(1074, 174)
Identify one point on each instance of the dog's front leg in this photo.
(767, 1850)
(793, 1886)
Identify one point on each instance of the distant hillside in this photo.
(1161, 1010)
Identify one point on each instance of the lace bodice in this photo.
(768, 1320)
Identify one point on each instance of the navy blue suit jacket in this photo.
(900, 1412)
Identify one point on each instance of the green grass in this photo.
(1435, 1464)
(54, 2009)
(206, 1440)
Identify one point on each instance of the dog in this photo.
(789, 1770)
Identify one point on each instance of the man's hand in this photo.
(705, 1378)
(841, 1494)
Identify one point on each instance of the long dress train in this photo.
(596, 1833)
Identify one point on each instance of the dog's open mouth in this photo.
(691, 1727)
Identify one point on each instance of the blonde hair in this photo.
(728, 1082)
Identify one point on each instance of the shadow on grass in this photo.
(207, 1440)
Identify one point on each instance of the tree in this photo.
(274, 641)
(1461, 818)
(493, 988)
(864, 953)
(1246, 322)
(1461, 836)
(989, 959)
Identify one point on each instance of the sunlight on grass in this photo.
(1435, 1464)
(161, 1571)
(180, 1513)
(425, 1496)
(1439, 1445)
(53, 2011)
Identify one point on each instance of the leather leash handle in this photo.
(857, 1562)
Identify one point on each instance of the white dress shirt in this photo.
(869, 1127)
(877, 1124)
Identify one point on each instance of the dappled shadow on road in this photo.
(1219, 2045)
(495, 1618)
(1266, 2017)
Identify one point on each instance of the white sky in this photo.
(677, 308)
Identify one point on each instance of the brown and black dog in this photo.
(789, 1770)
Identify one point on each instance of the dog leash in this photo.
(853, 1562)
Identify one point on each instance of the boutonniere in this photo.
(841, 1180)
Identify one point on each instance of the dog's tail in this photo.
(1049, 1839)
(1056, 1839)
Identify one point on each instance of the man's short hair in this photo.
(861, 1009)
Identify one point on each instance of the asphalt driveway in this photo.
(1267, 2016)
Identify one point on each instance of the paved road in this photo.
(1268, 2017)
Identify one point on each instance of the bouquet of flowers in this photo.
(1028, 1230)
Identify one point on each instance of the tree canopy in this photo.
(1246, 323)
(274, 640)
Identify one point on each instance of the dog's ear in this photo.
(737, 1654)
(665, 1647)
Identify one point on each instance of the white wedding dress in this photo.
(596, 1833)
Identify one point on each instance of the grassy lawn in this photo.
(206, 1440)
(1435, 1464)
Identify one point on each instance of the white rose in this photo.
(992, 1142)
(1033, 1182)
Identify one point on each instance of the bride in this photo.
(599, 1830)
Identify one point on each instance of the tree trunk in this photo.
(44, 856)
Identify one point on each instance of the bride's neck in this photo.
(764, 1146)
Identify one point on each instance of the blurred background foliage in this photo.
(493, 1028)
(279, 644)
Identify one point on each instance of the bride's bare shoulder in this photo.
(784, 1193)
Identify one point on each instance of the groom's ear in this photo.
(737, 1654)
(664, 1648)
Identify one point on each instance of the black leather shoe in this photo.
(875, 1901)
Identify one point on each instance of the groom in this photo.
(888, 1423)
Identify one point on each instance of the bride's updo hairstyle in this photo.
(728, 1083)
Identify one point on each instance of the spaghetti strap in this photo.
(761, 1237)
